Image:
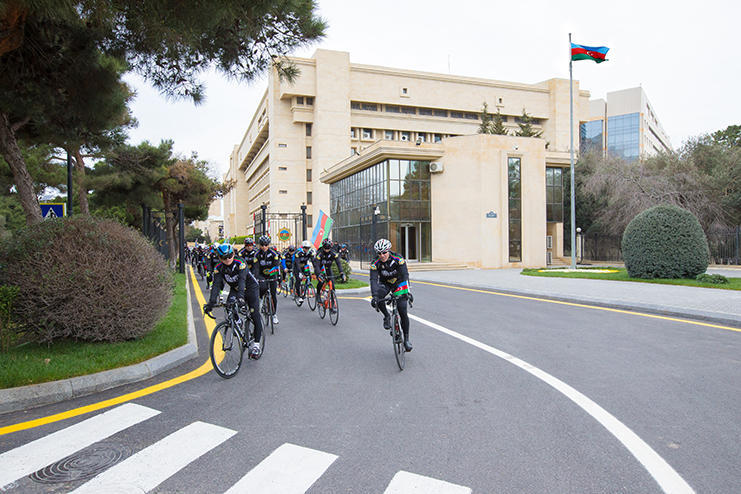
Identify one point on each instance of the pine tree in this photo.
(497, 125)
(485, 126)
(526, 126)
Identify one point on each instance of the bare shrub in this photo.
(87, 279)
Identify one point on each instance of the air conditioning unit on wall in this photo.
(436, 167)
(549, 258)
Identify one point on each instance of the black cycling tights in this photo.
(253, 304)
(273, 292)
(401, 305)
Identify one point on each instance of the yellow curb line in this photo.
(584, 306)
(203, 369)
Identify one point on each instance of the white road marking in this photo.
(150, 467)
(290, 469)
(37, 454)
(668, 479)
(411, 483)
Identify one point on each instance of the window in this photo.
(308, 198)
(308, 152)
(282, 145)
(367, 133)
(308, 175)
(500, 101)
(310, 100)
(299, 100)
(405, 135)
(472, 116)
(456, 114)
(515, 210)
(282, 168)
(421, 137)
(392, 109)
(370, 107)
(282, 191)
(410, 110)
(308, 130)
(404, 90)
(438, 137)
(440, 113)
(554, 193)
(388, 135)
(352, 133)
(425, 111)
(355, 105)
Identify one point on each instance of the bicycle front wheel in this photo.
(311, 296)
(226, 350)
(334, 308)
(398, 339)
(322, 304)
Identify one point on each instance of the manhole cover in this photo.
(83, 465)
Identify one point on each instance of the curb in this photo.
(35, 395)
(713, 317)
(351, 291)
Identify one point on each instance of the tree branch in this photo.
(14, 127)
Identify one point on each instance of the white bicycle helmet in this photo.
(306, 243)
(382, 245)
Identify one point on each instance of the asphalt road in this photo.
(457, 414)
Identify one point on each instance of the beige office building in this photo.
(404, 145)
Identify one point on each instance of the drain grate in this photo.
(83, 465)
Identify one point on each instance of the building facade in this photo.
(337, 111)
(624, 125)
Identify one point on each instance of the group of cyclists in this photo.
(251, 273)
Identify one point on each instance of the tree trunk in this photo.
(170, 227)
(80, 182)
(23, 181)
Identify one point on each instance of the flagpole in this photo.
(571, 133)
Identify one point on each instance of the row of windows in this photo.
(430, 112)
(554, 194)
(304, 100)
(397, 135)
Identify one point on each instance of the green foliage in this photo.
(526, 126)
(193, 234)
(730, 136)
(485, 124)
(497, 125)
(346, 268)
(117, 213)
(716, 279)
(491, 124)
(85, 279)
(665, 242)
(239, 240)
(8, 294)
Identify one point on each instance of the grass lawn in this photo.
(33, 364)
(622, 275)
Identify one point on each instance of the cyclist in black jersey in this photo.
(247, 254)
(323, 265)
(267, 264)
(243, 286)
(388, 273)
(301, 258)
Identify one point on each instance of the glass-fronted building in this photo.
(397, 193)
(623, 136)
(591, 136)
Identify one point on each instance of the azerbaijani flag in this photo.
(321, 229)
(274, 271)
(402, 288)
(582, 52)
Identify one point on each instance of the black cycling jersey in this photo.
(324, 259)
(288, 258)
(248, 256)
(391, 272)
(268, 263)
(236, 275)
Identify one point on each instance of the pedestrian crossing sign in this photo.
(51, 210)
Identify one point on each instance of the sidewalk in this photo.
(722, 306)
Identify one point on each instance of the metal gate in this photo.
(153, 227)
(285, 229)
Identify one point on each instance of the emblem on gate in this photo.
(284, 235)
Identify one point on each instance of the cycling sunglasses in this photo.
(226, 258)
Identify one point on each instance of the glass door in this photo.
(408, 242)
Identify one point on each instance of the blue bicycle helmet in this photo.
(224, 250)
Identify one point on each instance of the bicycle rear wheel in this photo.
(311, 296)
(398, 339)
(322, 304)
(226, 350)
(334, 308)
(284, 288)
(267, 315)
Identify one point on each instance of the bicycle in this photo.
(201, 269)
(305, 290)
(397, 336)
(328, 301)
(286, 285)
(230, 338)
(266, 308)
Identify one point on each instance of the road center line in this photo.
(668, 479)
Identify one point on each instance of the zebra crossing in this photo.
(290, 469)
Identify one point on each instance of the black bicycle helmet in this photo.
(263, 240)
(327, 244)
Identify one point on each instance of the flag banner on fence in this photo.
(321, 229)
(402, 288)
(582, 52)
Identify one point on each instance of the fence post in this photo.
(264, 208)
(303, 222)
(738, 241)
(181, 237)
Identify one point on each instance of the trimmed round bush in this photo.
(86, 279)
(665, 242)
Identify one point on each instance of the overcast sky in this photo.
(681, 53)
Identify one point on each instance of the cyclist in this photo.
(323, 265)
(301, 258)
(243, 286)
(247, 254)
(344, 252)
(212, 259)
(267, 262)
(287, 261)
(388, 273)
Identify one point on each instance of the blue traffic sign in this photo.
(53, 209)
